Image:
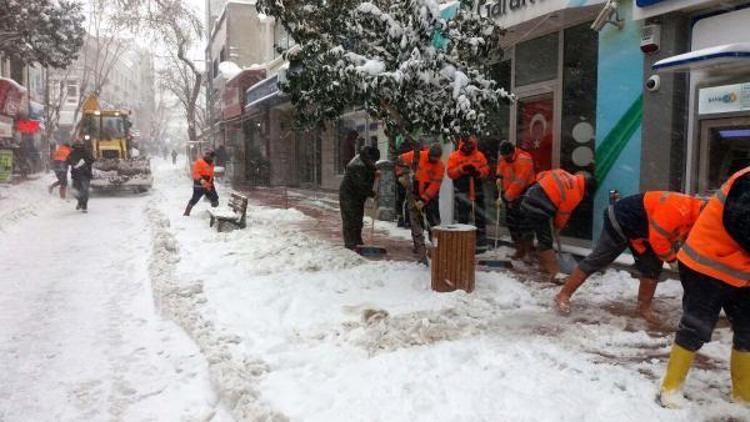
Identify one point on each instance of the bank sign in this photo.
(508, 13)
(724, 99)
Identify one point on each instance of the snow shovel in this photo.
(496, 263)
(370, 250)
(565, 261)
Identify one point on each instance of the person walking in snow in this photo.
(356, 187)
(80, 161)
(203, 182)
(549, 204)
(422, 178)
(654, 225)
(174, 157)
(467, 167)
(60, 167)
(515, 173)
(714, 268)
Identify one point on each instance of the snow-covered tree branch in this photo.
(46, 32)
(398, 59)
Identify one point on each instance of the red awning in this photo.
(12, 97)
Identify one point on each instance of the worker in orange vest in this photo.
(467, 167)
(654, 225)
(515, 173)
(554, 196)
(408, 144)
(422, 192)
(60, 167)
(715, 275)
(203, 181)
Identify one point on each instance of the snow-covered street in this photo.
(80, 337)
(283, 325)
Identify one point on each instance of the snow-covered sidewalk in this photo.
(296, 327)
(80, 337)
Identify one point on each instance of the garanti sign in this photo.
(508, 13)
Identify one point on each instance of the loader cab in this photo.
(107, 133)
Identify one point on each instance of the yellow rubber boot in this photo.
(680, 360)
(740, 368)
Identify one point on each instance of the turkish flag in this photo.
(28, 127)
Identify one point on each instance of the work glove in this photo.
(674, 266)
(499, 184)
(378, 174)
(469, 169)
(499, 202)
(404, 181)
(420, 205)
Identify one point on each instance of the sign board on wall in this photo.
(6, 165)
(643, 9)
(508, 13)
(6, 127)
(724, 99)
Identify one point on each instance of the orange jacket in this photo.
(517, 175)
(564, 190)
(670, 217)
(457, 160)
(429, 175)
(61, 153)
(203, 171)
(710, 250)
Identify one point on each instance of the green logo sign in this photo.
(6, 165)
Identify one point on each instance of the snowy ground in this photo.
(291, 327)
(80, 338)
(298, 328)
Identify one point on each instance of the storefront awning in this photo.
(12, 97)
(722, 56)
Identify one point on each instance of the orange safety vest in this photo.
(61, 153)
(517, 175)
(457, 160)
(203, 170)
(670, 217)
(564, 190)
(710, 250)
(429, 175)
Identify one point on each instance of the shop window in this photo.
(577, 143)
(536, 60)
(71, 93)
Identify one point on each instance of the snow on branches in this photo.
(48, 32)
(398, 59)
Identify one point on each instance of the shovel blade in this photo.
(495, 263)
(370, 251)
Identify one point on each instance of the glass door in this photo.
(724, 149)
(535, 128)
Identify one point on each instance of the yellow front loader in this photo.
(119, 165)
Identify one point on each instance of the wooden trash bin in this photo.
(452, 257)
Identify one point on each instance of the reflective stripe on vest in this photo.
(718, 266)
(563, 195)
(710, 250)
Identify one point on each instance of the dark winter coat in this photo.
(80, 161)
(359, 178)
(737, 212)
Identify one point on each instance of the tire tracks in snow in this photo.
(233, 376)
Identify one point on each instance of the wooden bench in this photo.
(234, 216)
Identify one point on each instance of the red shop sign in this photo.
(28, 127)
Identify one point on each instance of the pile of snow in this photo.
(229, 70)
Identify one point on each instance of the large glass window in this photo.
(577, 142)
(536, 60)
